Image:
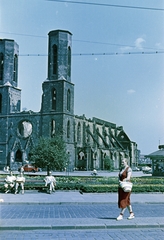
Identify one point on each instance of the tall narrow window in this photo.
(68, 100)
(15, 68)
(1, 66)
(79, 133)
(18, 156)
(0, 103)
(69, 61)
(68, 129)
(53, 128)
(55, 56)
(53, 99)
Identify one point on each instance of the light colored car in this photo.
(147, 169)
(135, 169)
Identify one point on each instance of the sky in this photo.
(117, 59)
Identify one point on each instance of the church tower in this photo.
(10, 95)
(58, 92)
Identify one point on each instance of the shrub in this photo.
(93, 183)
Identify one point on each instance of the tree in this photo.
(49, 153)
(108, 163)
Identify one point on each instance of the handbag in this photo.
(126, 186)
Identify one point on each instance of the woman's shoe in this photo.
(120, 217)
(131, 216)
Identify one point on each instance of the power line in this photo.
(76, 40)
(109, 5)
(24, 35)
(113, 44)
(99, 54)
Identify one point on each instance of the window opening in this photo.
(18, 156)
(69, 61)
(68, 129)
(55, 53)
(68, 100)
(1, 66)
(0, 103)
(53, 99)
(15, 68)
(79, 133)
(53, 128)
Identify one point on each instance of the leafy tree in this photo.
(49, 153)
(108, 163)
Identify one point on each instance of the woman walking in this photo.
(124, 197)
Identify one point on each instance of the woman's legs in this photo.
(120, 217)
(122, 211)
(131, 212)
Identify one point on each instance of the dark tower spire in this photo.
(59, 55)
(10, 95)
(58, 91)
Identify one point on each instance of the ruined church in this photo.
(88, 141)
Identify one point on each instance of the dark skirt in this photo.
(123, 198)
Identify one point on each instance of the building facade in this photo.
(157, 159)
(88, 141)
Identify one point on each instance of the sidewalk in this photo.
(60, 197)
(33, 197)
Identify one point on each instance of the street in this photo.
(73, 210)
(92, 234)
(70, 212)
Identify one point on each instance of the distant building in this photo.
(143, 159)
(157, 159)
(88, 141)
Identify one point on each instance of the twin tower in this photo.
(20, 130)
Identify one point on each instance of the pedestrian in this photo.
(20, 180)
(94, 173)
(50, 181)
(124, 197)
(6, 169)
(21, 169)
(9, 182)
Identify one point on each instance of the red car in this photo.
(29, 168)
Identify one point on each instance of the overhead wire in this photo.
(99, 54)
(109, 5)
(84, 41)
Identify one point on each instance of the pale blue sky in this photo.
(126, 89)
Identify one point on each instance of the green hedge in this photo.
(93, 184)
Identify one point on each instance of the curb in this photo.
(72, 227)
(70, 203)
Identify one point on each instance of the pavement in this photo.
(62, 198)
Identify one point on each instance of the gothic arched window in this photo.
(15, 68)
(79, 133)
(0, 103)
(68, 129)
(69, 61)
(53, 128)
(55, 58)
(53, 99)
(68, 100)
(1, 66)
(18, 156)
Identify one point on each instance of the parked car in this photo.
(135, 169)
(147, 169)
(30, 168)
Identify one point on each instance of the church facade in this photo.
(88, 141)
